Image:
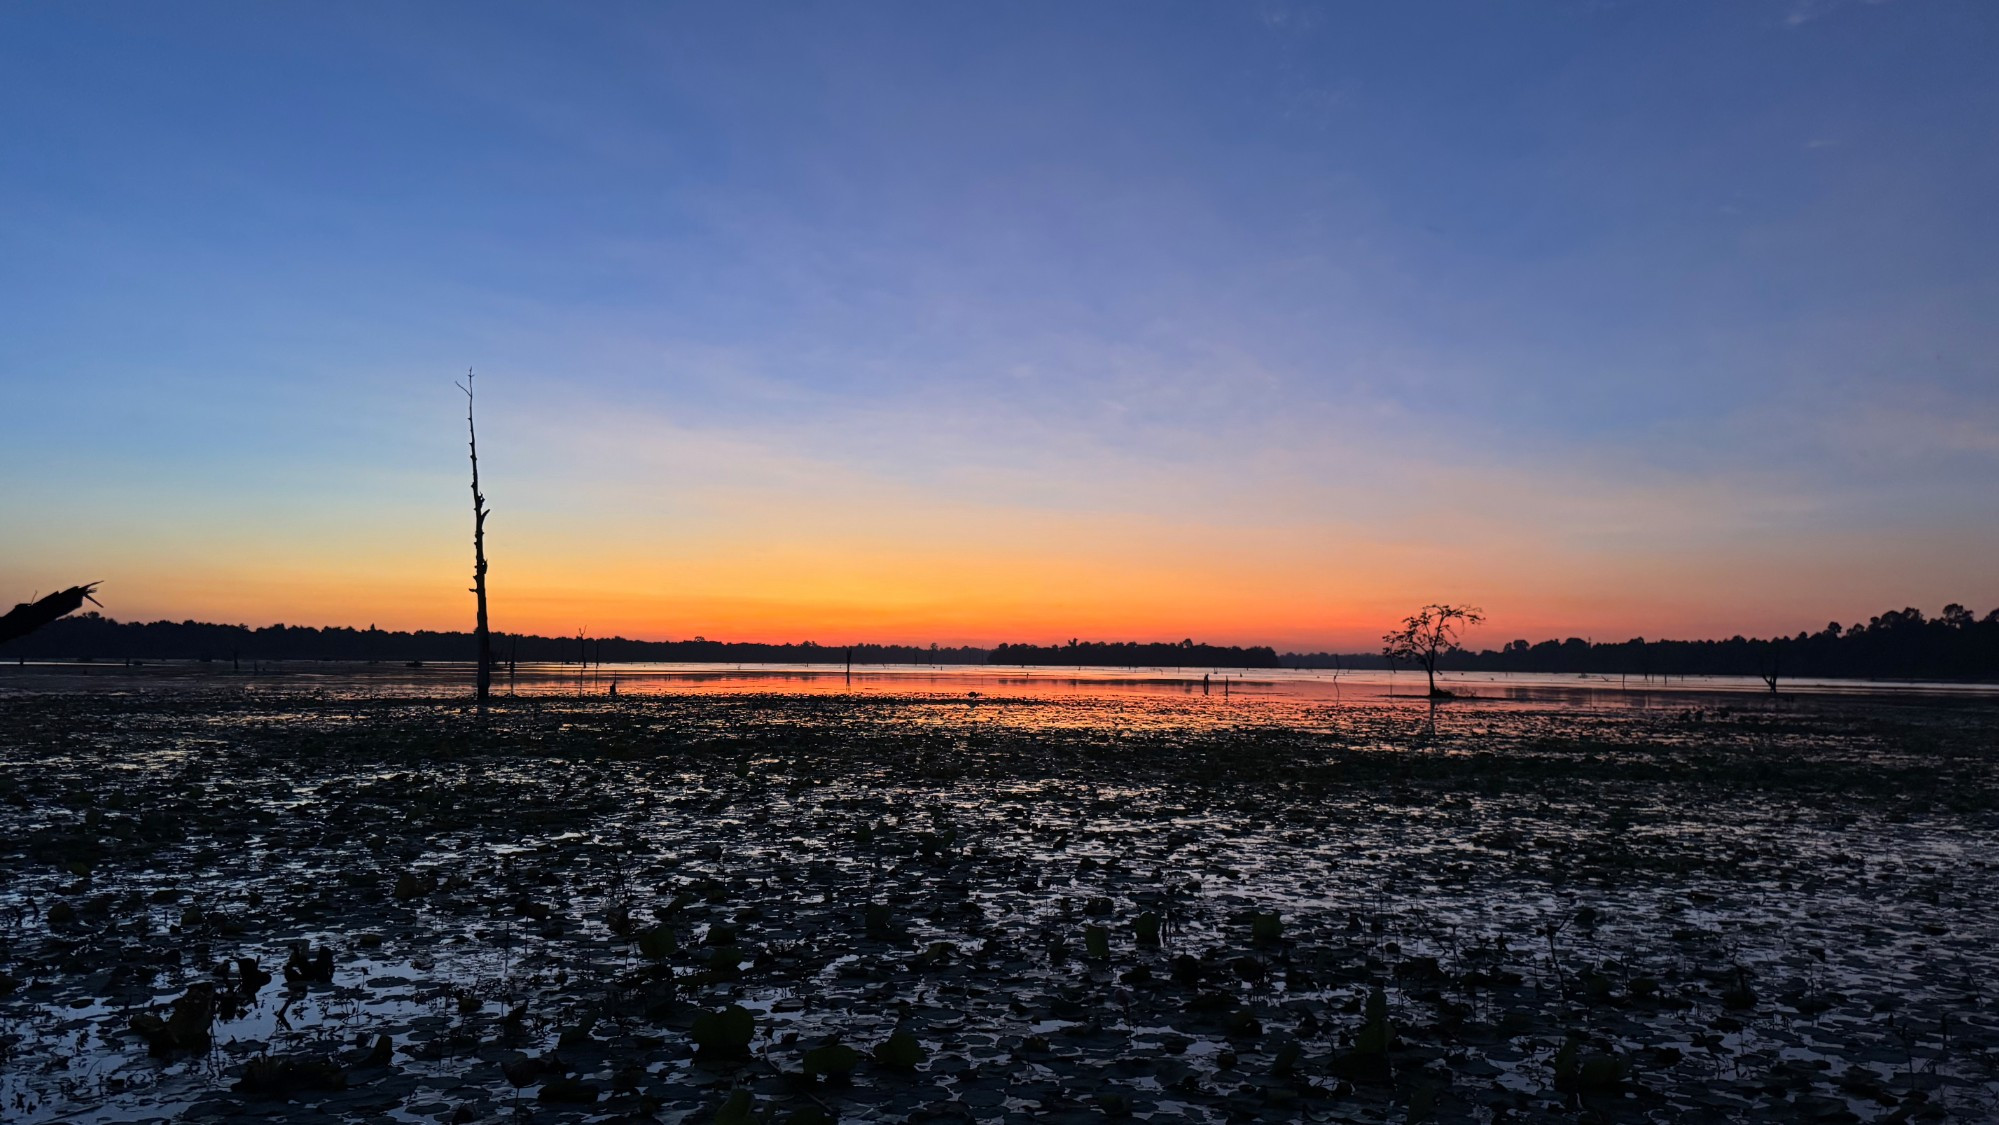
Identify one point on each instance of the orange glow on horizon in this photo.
(869, 561)
(838, 598)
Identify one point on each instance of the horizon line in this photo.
(1992, 615)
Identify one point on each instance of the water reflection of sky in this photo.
(1271, 686)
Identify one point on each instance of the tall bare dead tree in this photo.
(479, 513)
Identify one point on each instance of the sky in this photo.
(1257, 323)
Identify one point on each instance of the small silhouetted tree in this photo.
(1428, 634)
(482, 637)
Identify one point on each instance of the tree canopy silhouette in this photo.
(1902, 644)
(1428, 634)
(1133, 654)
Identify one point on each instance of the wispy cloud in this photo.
(1805, 11)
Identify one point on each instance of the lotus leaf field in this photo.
(309, 906)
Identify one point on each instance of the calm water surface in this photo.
(1250, 687)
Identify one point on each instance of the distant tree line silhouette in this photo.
(92, 636)
(1133, 654)
(1899, 644)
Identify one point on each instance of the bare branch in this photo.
(32, 615)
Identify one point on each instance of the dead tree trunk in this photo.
(30, 616)
(479, 512)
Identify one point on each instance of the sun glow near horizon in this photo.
(990, 578)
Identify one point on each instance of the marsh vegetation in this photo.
(309, 905)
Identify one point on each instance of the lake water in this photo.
(1249, 687)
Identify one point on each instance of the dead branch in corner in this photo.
(30, 616)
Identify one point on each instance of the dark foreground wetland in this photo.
(307, 905)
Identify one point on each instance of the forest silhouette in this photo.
(1899, 644)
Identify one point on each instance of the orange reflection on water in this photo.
(1041, 697)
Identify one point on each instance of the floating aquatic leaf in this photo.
(739, 1108)
(1146, 928)
(900, 1051)
(288, 1077)
(832, 1060)
(1285, 1062)
(1265, 926)
(1096, 943)
(725, 1033)
(567, 1091)
(1588, 1072)
(658, 943)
